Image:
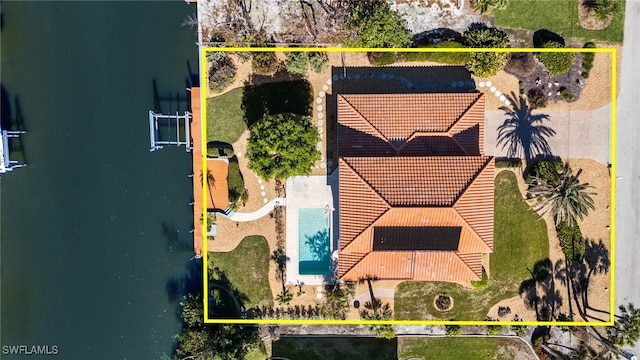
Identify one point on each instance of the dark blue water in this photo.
(95, 241)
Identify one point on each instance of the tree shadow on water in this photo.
(189, 283)
(523, 133)
(276, 98)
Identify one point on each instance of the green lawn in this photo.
(520, 239)
(245, 270)
(225, 119)
(560, 16)
(455, 348)
(229, 114)
(347, 348)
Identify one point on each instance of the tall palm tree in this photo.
(565, 197)
(523, 132)
(210, 180)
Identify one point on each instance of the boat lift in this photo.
(6, 164)
(170, 121)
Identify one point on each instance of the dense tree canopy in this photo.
(374, 24)
(283, 145)
(485, 64)
(211, 341)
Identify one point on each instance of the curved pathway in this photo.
(267, 208)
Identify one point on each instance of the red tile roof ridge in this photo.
(488, 160)
(470, 268)
(479, 95)
(375, 129)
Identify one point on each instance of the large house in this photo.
(416, 192)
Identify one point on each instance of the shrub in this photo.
(571, 241)
(556, 62)
(494, 329)
(264, 63)
(374, 24)
(536, 98)
(297, 62)
(318, 61)
(235, 181)
(452, 58)
(482, 283)
(228, 152)
(521, 87)
(548, 170)
(213, 152)
(587, 60)
(485, 64)
(381, 59)
(453, 330)
(566, 94)
(519, 329)
(503, 311)
(222, 72)
(508, 163)
(603, 9)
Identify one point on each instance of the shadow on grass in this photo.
(276, 98)
(225, 301)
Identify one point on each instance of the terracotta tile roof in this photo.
(398, 116)
(418, 181)
(413, 160)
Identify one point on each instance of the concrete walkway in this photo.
(579, 134)
(267, 208)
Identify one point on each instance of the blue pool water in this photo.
(314, 241)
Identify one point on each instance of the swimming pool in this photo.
(314, 241)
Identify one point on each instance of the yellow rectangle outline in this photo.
(203, 114)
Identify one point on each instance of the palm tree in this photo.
(565, 197)
(375, 310)
(210, 180)
(523, 132)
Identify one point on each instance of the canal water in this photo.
(95, 242)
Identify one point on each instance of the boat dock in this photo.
(6, 164)
(196, 130)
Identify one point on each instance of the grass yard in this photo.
(520, 239)
(229, 114)
(319, 348)
(225, 120)
(454, 348)
(560, 16)
(250, 283)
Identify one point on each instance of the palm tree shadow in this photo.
(540, 292)
(523, 133)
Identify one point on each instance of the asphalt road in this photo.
(627, 252)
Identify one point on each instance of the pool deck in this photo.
(305, 192)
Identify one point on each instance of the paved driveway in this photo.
(579, 134)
